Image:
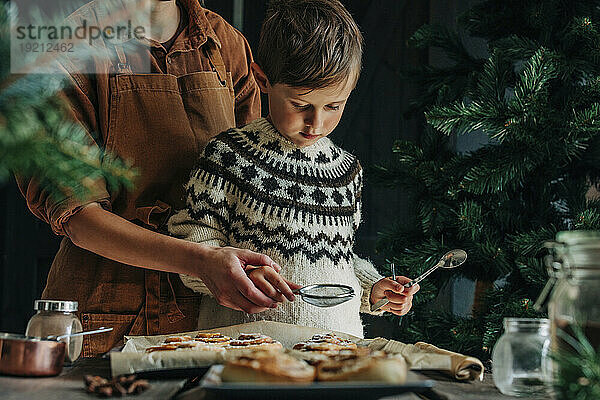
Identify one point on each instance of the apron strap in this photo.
(123, 66)
(174, 313)
(152, 306)
(216, 61)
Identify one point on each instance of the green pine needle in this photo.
(578, 368)
(38, 140)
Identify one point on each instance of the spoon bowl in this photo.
(454, 258)
(451, 259)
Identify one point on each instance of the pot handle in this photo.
(60, 337)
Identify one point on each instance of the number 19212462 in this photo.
(47, 47)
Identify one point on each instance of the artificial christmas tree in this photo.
(537, 98)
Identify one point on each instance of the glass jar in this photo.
(57, 317)
(574, 265)
(520, 360)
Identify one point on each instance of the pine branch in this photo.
(471, 221)
(534, 77)
(441, 37)
(515, 47)
(440, 85)
(501, 303)
(530, 244)
(533, 271)
(588, 219)
(537, 98)
(465, 117)
(500, 169)
(578, 376)
(37, 139)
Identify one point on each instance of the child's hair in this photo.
(309, 44)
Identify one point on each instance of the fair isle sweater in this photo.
(254, 189)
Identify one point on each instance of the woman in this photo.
(113, 260)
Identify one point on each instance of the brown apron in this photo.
(159, 123)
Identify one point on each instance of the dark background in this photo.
(371, 123)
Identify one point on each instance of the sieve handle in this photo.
(379, 304)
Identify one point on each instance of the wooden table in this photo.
(69, 385)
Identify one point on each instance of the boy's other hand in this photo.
(399, 296)
(271, 283)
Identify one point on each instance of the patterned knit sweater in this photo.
(254, 189)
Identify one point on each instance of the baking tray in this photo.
(172, 373)
(212, 386)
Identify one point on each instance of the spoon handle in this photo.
(424, 275)
(99, 330)
(379, 304)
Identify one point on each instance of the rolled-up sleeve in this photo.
(56, 212)
(247, 92)
(237, 57)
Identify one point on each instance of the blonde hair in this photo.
(309, 44)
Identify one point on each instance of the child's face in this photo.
(304, 116)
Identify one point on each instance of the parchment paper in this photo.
(424, 356)
(420, 356)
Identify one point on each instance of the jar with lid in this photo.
(57, 317)
(521, 363)
(574, 267)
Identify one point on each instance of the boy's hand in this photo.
(400, 297)
(271, 283)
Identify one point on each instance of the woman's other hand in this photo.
(399, 296)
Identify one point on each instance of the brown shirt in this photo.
(159, 122)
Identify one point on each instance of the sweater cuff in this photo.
(367, 276)
(195, 284)
(183, 226)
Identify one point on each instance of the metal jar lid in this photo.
(55, 305)
(576, 249)
(578, 237)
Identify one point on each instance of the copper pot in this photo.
(30, 356)
(34, 356)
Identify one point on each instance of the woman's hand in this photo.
(223, 272)
(399, 296)
(271, 283)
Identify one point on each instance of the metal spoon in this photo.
(325, 294)
(70, 335)
(451, 259)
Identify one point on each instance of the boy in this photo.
(281, 187)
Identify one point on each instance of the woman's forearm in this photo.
(220, 268)
(113, 237)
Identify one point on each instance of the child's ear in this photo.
(260, 77)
